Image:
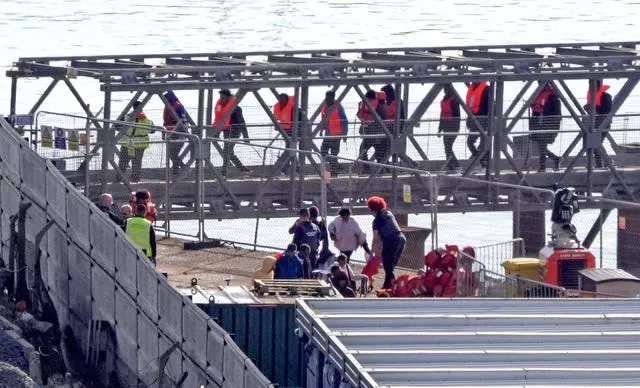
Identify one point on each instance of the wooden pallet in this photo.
(307, 287)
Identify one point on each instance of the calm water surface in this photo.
(90, 27)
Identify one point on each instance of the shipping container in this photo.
(470, 342)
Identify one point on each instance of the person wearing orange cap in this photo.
(392, 240)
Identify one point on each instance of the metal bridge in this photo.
(415, 72)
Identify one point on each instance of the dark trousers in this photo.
(596, 153)
(288, 143)
(136, 161)
(173, 153)
(545, 153)
(228, 155)
(391, 252)
(471, 145)
(381, 150)
(331, 146)
(448, 150)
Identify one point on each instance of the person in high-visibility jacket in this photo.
(134, 142)
(141, 233)
(603, 102)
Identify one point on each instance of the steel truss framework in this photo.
(354, 70)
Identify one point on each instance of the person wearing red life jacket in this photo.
(283, 110)
(477, 101)
(143, 197)
(449, 124)
(368, 124)
(175, 122)
(393, 107)
(335, 127)
(231, 128)
(603, 102)
(546, 114)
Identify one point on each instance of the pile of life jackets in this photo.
(446, 275)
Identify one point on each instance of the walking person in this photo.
(478, 103)
(134, 142)
(392, 240)
(546, 114)
(233, 127)
(335, 129)
(283, 111)
(449, 124)
(141, 233)
(368, 125)
(176, 125)
(346, 234)
(603, 103)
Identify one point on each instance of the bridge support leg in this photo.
(530, 226)
(628, 236)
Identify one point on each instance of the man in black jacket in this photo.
(105, 203)
(546, 114)
(306, 232)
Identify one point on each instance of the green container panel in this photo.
(266, 334)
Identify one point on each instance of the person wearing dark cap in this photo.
(306, 232)
(134, 141)
(289, 265)
(283, 110)
(230, 121)
(174, 120)
(346, 234)
(314, 214)
(335, 127)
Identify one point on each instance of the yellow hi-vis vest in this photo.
(138, 230)
(136, 136)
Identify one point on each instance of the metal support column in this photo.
(105, 137)
(14, 95)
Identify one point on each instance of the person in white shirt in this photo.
(346, 234)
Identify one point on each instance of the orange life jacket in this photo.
(285, 115)
(335, 122)
(599, 94)
(538, 104)
(474, 96)
(363, 112)
(446, 113)
(220, 110)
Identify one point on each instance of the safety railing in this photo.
(497, 285)
(178, 201)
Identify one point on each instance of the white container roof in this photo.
(427, 342)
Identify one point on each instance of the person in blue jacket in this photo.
(289, 265)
